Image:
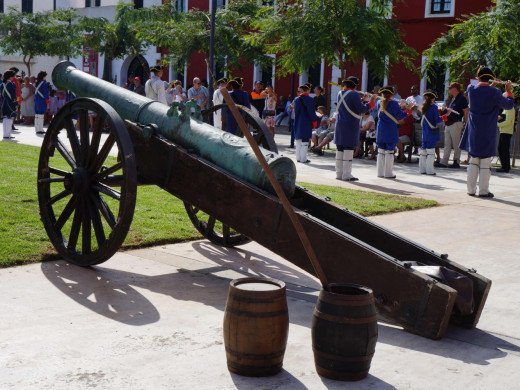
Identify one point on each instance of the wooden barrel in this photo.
(256, 324)
(344, 332)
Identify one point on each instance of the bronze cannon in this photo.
(87, 200)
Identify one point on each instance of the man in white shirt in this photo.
(415, 101)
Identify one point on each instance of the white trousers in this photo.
(452, 134)
(426, 160)
(339, 165)
(38, 123)
(8, 125)
(348, 156)
(479, 168)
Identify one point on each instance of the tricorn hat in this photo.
(350, 82)
(484, 71)
(387, 89)
(431, 93)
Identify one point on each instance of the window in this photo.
(92, 3)
(138, 4)
(437, 79)
(27, 6)
(178, 5)
(220, 4)
(314, 75)
(439, 8)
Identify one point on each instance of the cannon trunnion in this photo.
(87, 184)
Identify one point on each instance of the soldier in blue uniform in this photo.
(9, 102)
(41, 101)
(430, 122)
(305, 120)
(480, 135)
(390, 115)
(346, 135)
(239, 97)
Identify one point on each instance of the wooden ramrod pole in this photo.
(278, 189)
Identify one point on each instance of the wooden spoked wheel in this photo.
(209, 226)
(87, 182)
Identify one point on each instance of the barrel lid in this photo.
(257, 284)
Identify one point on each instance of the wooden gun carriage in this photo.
(87, 200)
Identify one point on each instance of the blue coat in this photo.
(9, 104)
(387, 132)
(304, 117)
(430, 139)
(480, 135)
(347, 126)
(239, 97)
(41, 97)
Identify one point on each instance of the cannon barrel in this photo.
(225, 150)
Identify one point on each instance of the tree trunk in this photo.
(27, 63)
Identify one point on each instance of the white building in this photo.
(89, 62)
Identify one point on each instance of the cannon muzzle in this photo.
(225, 150)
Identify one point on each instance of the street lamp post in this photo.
(212, 50)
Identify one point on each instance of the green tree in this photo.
(343, 32)
(116, 39)
(185, 33)
(42, 33)
(489, 38)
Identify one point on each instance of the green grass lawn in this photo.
(159, 217)
(369, 203)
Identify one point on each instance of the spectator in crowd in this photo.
(396, 95)
(131, 82)
(415, 101)
(406, 131)
(257, 97)
(239, 97)
(291, 119)
(506, 125)
(285, 112)
(325, 132)
(154, 87)
(138, 86)
(430, 132)
(9, 102)
(319, 98)
(387, 135)
(219, 99)
(350, 108)
(367, 134)
(280, 110)
(270, 108)
(41, 101)
(199, 93)
(305, 120)
(454, 126)
(27, 101)
(53, 103)
(479, 138)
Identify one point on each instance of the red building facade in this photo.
(421, 22)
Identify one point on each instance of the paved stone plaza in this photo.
(152, 318)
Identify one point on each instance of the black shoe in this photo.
(11, 137)
(439, 165)
(353, 179)
(454, 165)
(488, 195)
(415, 152)
(306, 162)
(390, 177)
(502, 170)
(291, 146)
(472, 194)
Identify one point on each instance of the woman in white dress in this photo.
(27, 101)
